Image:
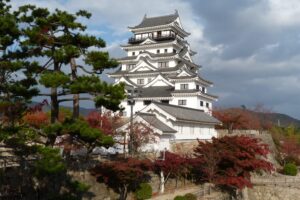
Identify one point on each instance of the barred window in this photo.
(140, 81)
(184, 86)
(163, 64)
(181, 102)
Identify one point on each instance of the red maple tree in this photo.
(228, 161)
(170, 165)
(105, 122)
(290, 150)
(139, 135)
(124, 175)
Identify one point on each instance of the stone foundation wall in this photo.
(99, 191)
(273, 193)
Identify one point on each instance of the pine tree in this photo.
(59, 39)
(16, 75)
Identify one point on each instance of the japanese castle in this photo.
(160, 76)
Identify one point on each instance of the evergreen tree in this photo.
(16, 75)
(59, 39)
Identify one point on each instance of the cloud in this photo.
(250, 49)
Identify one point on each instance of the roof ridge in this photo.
(169, 15)
(170, 105)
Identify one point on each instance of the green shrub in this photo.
(144, 191)
(179, 198)
(190, 196)
(290, 169)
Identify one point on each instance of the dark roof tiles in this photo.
(157, 21)
(187, 114)
(152, 120)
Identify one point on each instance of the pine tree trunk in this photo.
(54, 105)
(54, 100)
(75, 96)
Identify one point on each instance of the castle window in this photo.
(197, 87)
(184, 86)
(147, 102)
(165, 101)
(157, 51)
(140, 81)
(163, 64)
(166, 50)
(133, 53)
(174, 50)
(201, 103)
(181, 102)
(207, 105)
(203, 89)
(130, 66)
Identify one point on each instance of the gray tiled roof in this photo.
(157, 21)
(160, 70)
(152, 120)
(187, 114)
(151, 54)
(157, 91)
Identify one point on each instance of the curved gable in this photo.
(159, 81)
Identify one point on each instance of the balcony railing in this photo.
(134, 40)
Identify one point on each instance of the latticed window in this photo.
(163, 64)
(130, 66)
(182, 102)
(184, 86)
(140, 81)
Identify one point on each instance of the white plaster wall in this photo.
(192, 85)
(194, 131)
(191, 102)
(138, 106)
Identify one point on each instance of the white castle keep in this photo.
(160, 76)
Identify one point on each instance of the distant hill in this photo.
(278, 119)
(82, 111)
(282, 119)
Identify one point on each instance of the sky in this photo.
(250, 49)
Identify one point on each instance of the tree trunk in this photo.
(54, 99)
(75, 96)
(54, 105)
(162, 182)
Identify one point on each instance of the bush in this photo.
(179, 198)
(144, 191)
(190, 196)
(290, 169)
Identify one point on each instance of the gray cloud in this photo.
(250, 49)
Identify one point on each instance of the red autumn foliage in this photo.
(140, 135)
(36, 119)
(123, 176)
(238, 118)
(228, 161)
(172, 165)
(104, 122)
(290, 150)
(231, 118)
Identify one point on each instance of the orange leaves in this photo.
(36, 119)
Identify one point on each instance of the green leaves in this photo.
(54, 79)
(49, 163)
(100, 60)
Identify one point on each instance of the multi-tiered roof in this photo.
(159, 63)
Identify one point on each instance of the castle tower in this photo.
(159, 65)
(170, 95)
